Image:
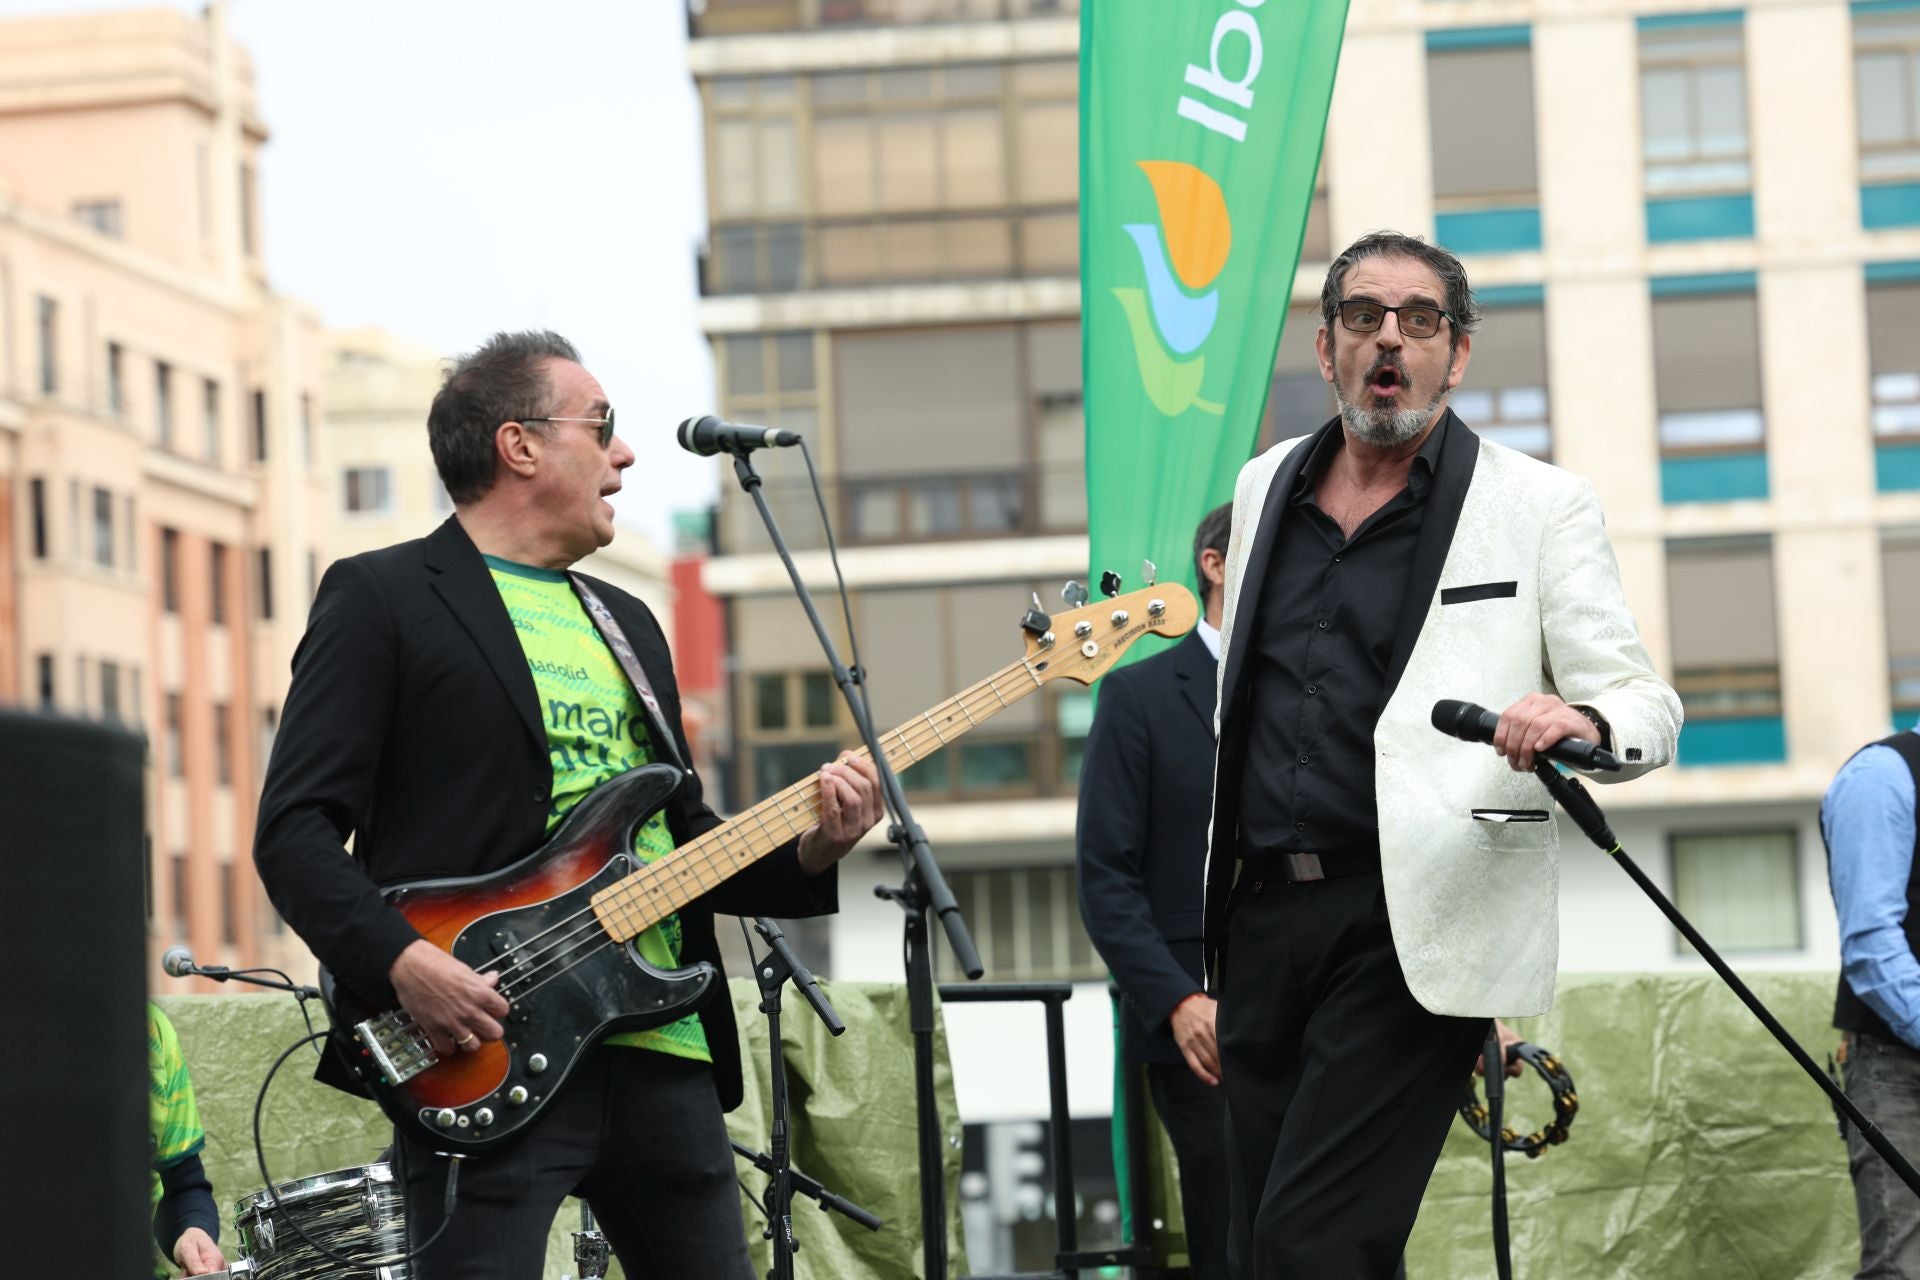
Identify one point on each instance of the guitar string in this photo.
(687, 863)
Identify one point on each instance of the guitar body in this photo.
(569, 983)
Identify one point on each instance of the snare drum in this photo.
(358, 1213)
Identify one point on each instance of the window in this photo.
(116, 380)
(1706, 371)
(1886, 63)
(1504, 398)
(222, 746)
(37, 502)
(1726, 656)
(43, 664)
(175, 748)
(1741, 890)
(367, 491)
(163, 403)
(110, 690)
(217, 583)
(130, 532)
(770, 378)
(1057, 409)
(259, 426)
(795, 726)
(1480, 117)
(49, 323)
(1026, 923)
(102, 215)
(1900, 569)
(103, 528)
(264, 570)
(169, 570)
(1893, 358)
(210, 419)
(1693, 106)
(180, 896)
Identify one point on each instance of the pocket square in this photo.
(1479, 591)
(1510, 815)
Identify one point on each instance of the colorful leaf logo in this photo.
(1185, 252)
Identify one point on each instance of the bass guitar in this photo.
(559, 925)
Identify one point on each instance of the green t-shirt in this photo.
(173, 1121)
(596, 729)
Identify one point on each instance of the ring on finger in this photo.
(464, 1040)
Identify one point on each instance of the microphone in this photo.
(178, 963)
(1473, 723)
(708, 435)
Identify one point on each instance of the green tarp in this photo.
(852, 1112)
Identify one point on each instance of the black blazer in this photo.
(412, 725)
(1146, 785)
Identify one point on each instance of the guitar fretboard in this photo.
(657, 890)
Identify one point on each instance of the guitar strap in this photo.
(609, 628)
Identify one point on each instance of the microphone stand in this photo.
(808, 1187)
(923, 887)
(1494, 1058)
(220, 973)
(1580, 806)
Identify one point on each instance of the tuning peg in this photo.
(1109, 584)
(1148, 572)
(1075, 594)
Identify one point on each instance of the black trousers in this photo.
(1195, 1116)
(1340, 1087)
(639, 1134)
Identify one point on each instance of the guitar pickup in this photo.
(396, 1045)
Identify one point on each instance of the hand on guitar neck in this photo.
(850, 804)
(457, 1007)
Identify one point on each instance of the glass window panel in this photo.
(933, 773)
(779, 167)
(911, 85)
(908, 623)
(1537, 441)
(1666, 114)
(746, 373)
(770, 701)
(1073, 713)
(1523, 404)
(912, 250)
(913, 401)
(976, 80)
(735, 258)
(1511, 349)
(1893, 328)
(1896, 419)
(1899, 570)
(777, 765)
(1894, 387)
(994, 504)
(776, 91)
(972, 159)
(1721, 603)
(876, 512)
(979, 247)
(732, 92)
(1706, 353)
(1710, 428)
(839, 88)
(1474, 406)
(995, 766)
(933, 508)
(848, 255)
(793, 361)
(735, 186)
(1881, 95)
(1049, 141)
(786, 257)
(1054, 78)
(843, 176)
(1722, 98)
(1913, 94)
(1061, 445)
(1050, 244)
(816, 699)
(908, 179)
(1741, 890)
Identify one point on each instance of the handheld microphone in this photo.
(178, 963)
(1471, 722)
(708, 435)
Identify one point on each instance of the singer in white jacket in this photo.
(1376, 892)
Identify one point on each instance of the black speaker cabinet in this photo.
(74, 1004)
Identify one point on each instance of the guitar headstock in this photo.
(1083, 643)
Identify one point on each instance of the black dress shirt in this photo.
(1321, 649)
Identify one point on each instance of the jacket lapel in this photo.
(1254, 575)
(1450, 483)
(1194, 669)
(463, 584)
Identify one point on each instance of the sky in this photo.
(445, 170)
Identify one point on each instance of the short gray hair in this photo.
(1393, 244)
(503, 380)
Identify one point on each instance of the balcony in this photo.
(755, 17)
(788, 257)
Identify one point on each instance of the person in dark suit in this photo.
(1146, 785)
(451, 700)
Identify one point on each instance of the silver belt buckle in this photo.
(1304, 866)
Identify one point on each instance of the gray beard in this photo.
(1385, 428)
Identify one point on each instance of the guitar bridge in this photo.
(397, 1045)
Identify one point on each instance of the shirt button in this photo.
(1336, 559)
(1313, 689)
(1322, 624)
(1299, 826)
(1306, 759)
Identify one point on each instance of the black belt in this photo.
(1322, 864)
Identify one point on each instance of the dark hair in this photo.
(1212, 534)
(503, 380)
(1392, 244)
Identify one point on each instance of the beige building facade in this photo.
(162, 520)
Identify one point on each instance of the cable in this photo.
(273, 1193)
(846, 606)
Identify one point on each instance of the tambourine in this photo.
(1566, 1104)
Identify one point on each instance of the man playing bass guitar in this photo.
(454, 697)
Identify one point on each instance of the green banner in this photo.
(1200, 127)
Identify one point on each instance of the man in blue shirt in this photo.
(1868, 822)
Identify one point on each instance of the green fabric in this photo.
(596, 730)
(852, 1108)
(1700, 1149)
(1193, 208)
(173, 1131)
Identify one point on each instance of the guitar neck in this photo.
(659, 889)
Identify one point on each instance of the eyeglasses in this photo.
(605, 424)
(1416, 320)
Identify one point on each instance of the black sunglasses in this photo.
(1417, 320)
(605, 424)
